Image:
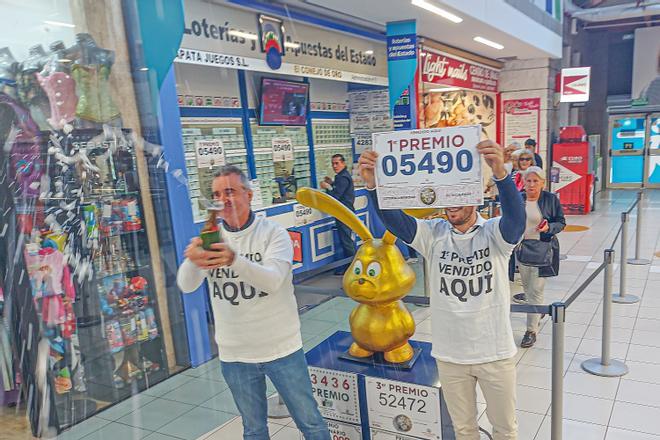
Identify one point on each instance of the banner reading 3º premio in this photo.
(431, 168)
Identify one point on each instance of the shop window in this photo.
(222, 140)
(77, 200)
(280, 175)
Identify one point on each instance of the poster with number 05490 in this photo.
(430, 168)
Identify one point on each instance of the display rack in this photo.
(331, 137)
(230, 132)
(278, 181)
(83, 232)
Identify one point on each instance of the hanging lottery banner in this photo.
(431, 168)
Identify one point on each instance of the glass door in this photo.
(652, 175)
(627, 146)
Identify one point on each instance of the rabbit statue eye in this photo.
(357, 268)
(373, 270)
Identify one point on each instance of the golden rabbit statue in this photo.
(377, 278)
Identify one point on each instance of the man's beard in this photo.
(462, 221)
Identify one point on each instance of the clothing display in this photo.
(26, 165)
(85, 291)
(95, 102)
(61, 90)
(256, 316)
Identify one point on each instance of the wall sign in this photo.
(575, 83)
(282, 149)
(336, 393)
(403, 408)
(430, 168)
(225, 36)
(522, 119)
(452, 71)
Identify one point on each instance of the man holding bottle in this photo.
(256, 316)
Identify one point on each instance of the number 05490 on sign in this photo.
(430, 168)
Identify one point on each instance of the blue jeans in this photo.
(289, 374)
(345, 239)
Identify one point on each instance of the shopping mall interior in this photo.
(288, 219)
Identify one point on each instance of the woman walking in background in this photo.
(525, 160)
(538, 253)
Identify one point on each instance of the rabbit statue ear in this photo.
(324, 203)
(389, 238)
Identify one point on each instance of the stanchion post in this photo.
(621, 297)
(604, 366)
(638, 260)
(558, 326)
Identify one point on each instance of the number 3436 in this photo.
(442, 162)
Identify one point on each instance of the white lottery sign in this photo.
(303, 214)
(344, 431)
(430, 168)
(282, 149)
(404, 408)
(377, 434)
(336, 393)
(209, 153)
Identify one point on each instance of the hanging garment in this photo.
(93, 89)
(25, 164)
(61, 90)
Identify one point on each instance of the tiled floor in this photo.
(197, 404)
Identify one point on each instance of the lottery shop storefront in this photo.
(276, 93)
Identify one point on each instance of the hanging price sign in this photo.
(282, 149)
(431, 168)
(404, 408)
(303, 214)
(336, 393)
(209, 152)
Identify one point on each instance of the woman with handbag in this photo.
(538, 253)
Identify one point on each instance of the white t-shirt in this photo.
(470, 298)
(534, 218)
(255, 310)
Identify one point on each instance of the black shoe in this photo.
(520, 298)
(528, 340)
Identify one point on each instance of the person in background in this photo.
(470, 297)
(545, 219)
(530, 144)
(257, 327)
(341, 188)
(525, 160)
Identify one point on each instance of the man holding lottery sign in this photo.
(431, 168)
(472, 339)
